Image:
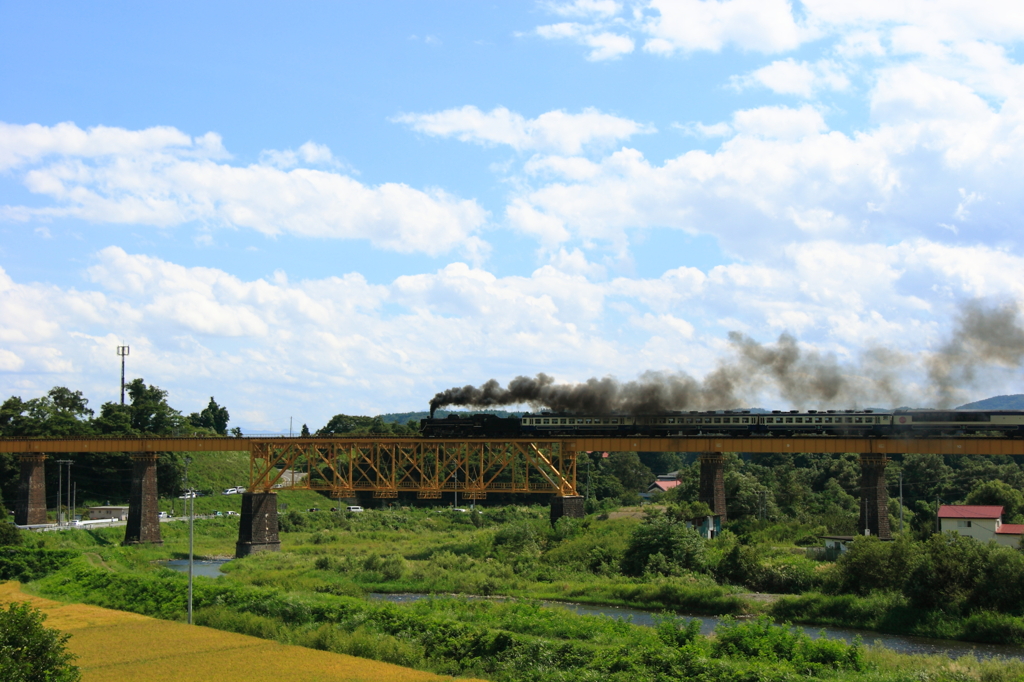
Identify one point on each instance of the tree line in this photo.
(65, 413)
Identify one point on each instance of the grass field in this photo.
(116, 645)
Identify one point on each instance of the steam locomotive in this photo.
(903, 422)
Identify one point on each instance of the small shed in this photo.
(115, 513)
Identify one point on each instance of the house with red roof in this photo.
(663, 486)
(981, 522)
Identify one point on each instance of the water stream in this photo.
(902, 643)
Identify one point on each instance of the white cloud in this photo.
(340, 344)
(789, 77)
(781, 123)
(164, 178)
(604, 44)
(309, 153)
(556, 131)
(690, 25)
(585, 8)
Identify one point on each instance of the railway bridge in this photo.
(429, 467)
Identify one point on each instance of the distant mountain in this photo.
(1000, 402)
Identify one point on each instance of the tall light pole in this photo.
(191, 515)
(122, 351)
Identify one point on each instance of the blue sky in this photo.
(311, 208)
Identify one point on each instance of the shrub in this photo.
(31, 652)
(681, 548)
(390, 567)
(25, 564)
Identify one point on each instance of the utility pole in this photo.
(122, 351)
(901, 502)
(61, 498)
(587, 498)
(191, 514)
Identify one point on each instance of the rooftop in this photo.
(970, 511)
(1010, 529)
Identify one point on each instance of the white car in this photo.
(187, 495)
(354, 508)
(230, 491)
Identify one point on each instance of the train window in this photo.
(817, 420)
(799, 420)
(789, 420)
(589, 421)
(828, 420)
(689, 421)
(718, 420)
(671, 420)
(857, 420)
(746, 420)
(849, 420)
(579, 421)
(615, 421)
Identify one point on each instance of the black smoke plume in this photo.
(983, 336)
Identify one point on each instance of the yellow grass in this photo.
(115, 645)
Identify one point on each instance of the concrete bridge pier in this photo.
(257, 527)
(874, 498)
(30, 508)
(567, 505)
(143, 512)
(712, 482)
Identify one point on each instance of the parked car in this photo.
(230, 491)
(354, 508)
(232, 513)
(189, 495)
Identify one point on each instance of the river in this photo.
(902, 643)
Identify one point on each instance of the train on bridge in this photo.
(863, 423)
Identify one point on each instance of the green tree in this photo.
(948, 572)
(305, 431)
(213, 417)
(870, 564)
(627, 467)
(61, 413)
(346, 424)
(663, 544)
(31, 652)
(1001, 494)
(150, 412)
(114, 420)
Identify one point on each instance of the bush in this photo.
(390, 567)
(24, 564)
(9, 533)
(761, 639)
(677, 548)
(30, 652)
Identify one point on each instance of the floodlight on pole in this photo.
(122, 351)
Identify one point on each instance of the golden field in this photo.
(116, 645)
